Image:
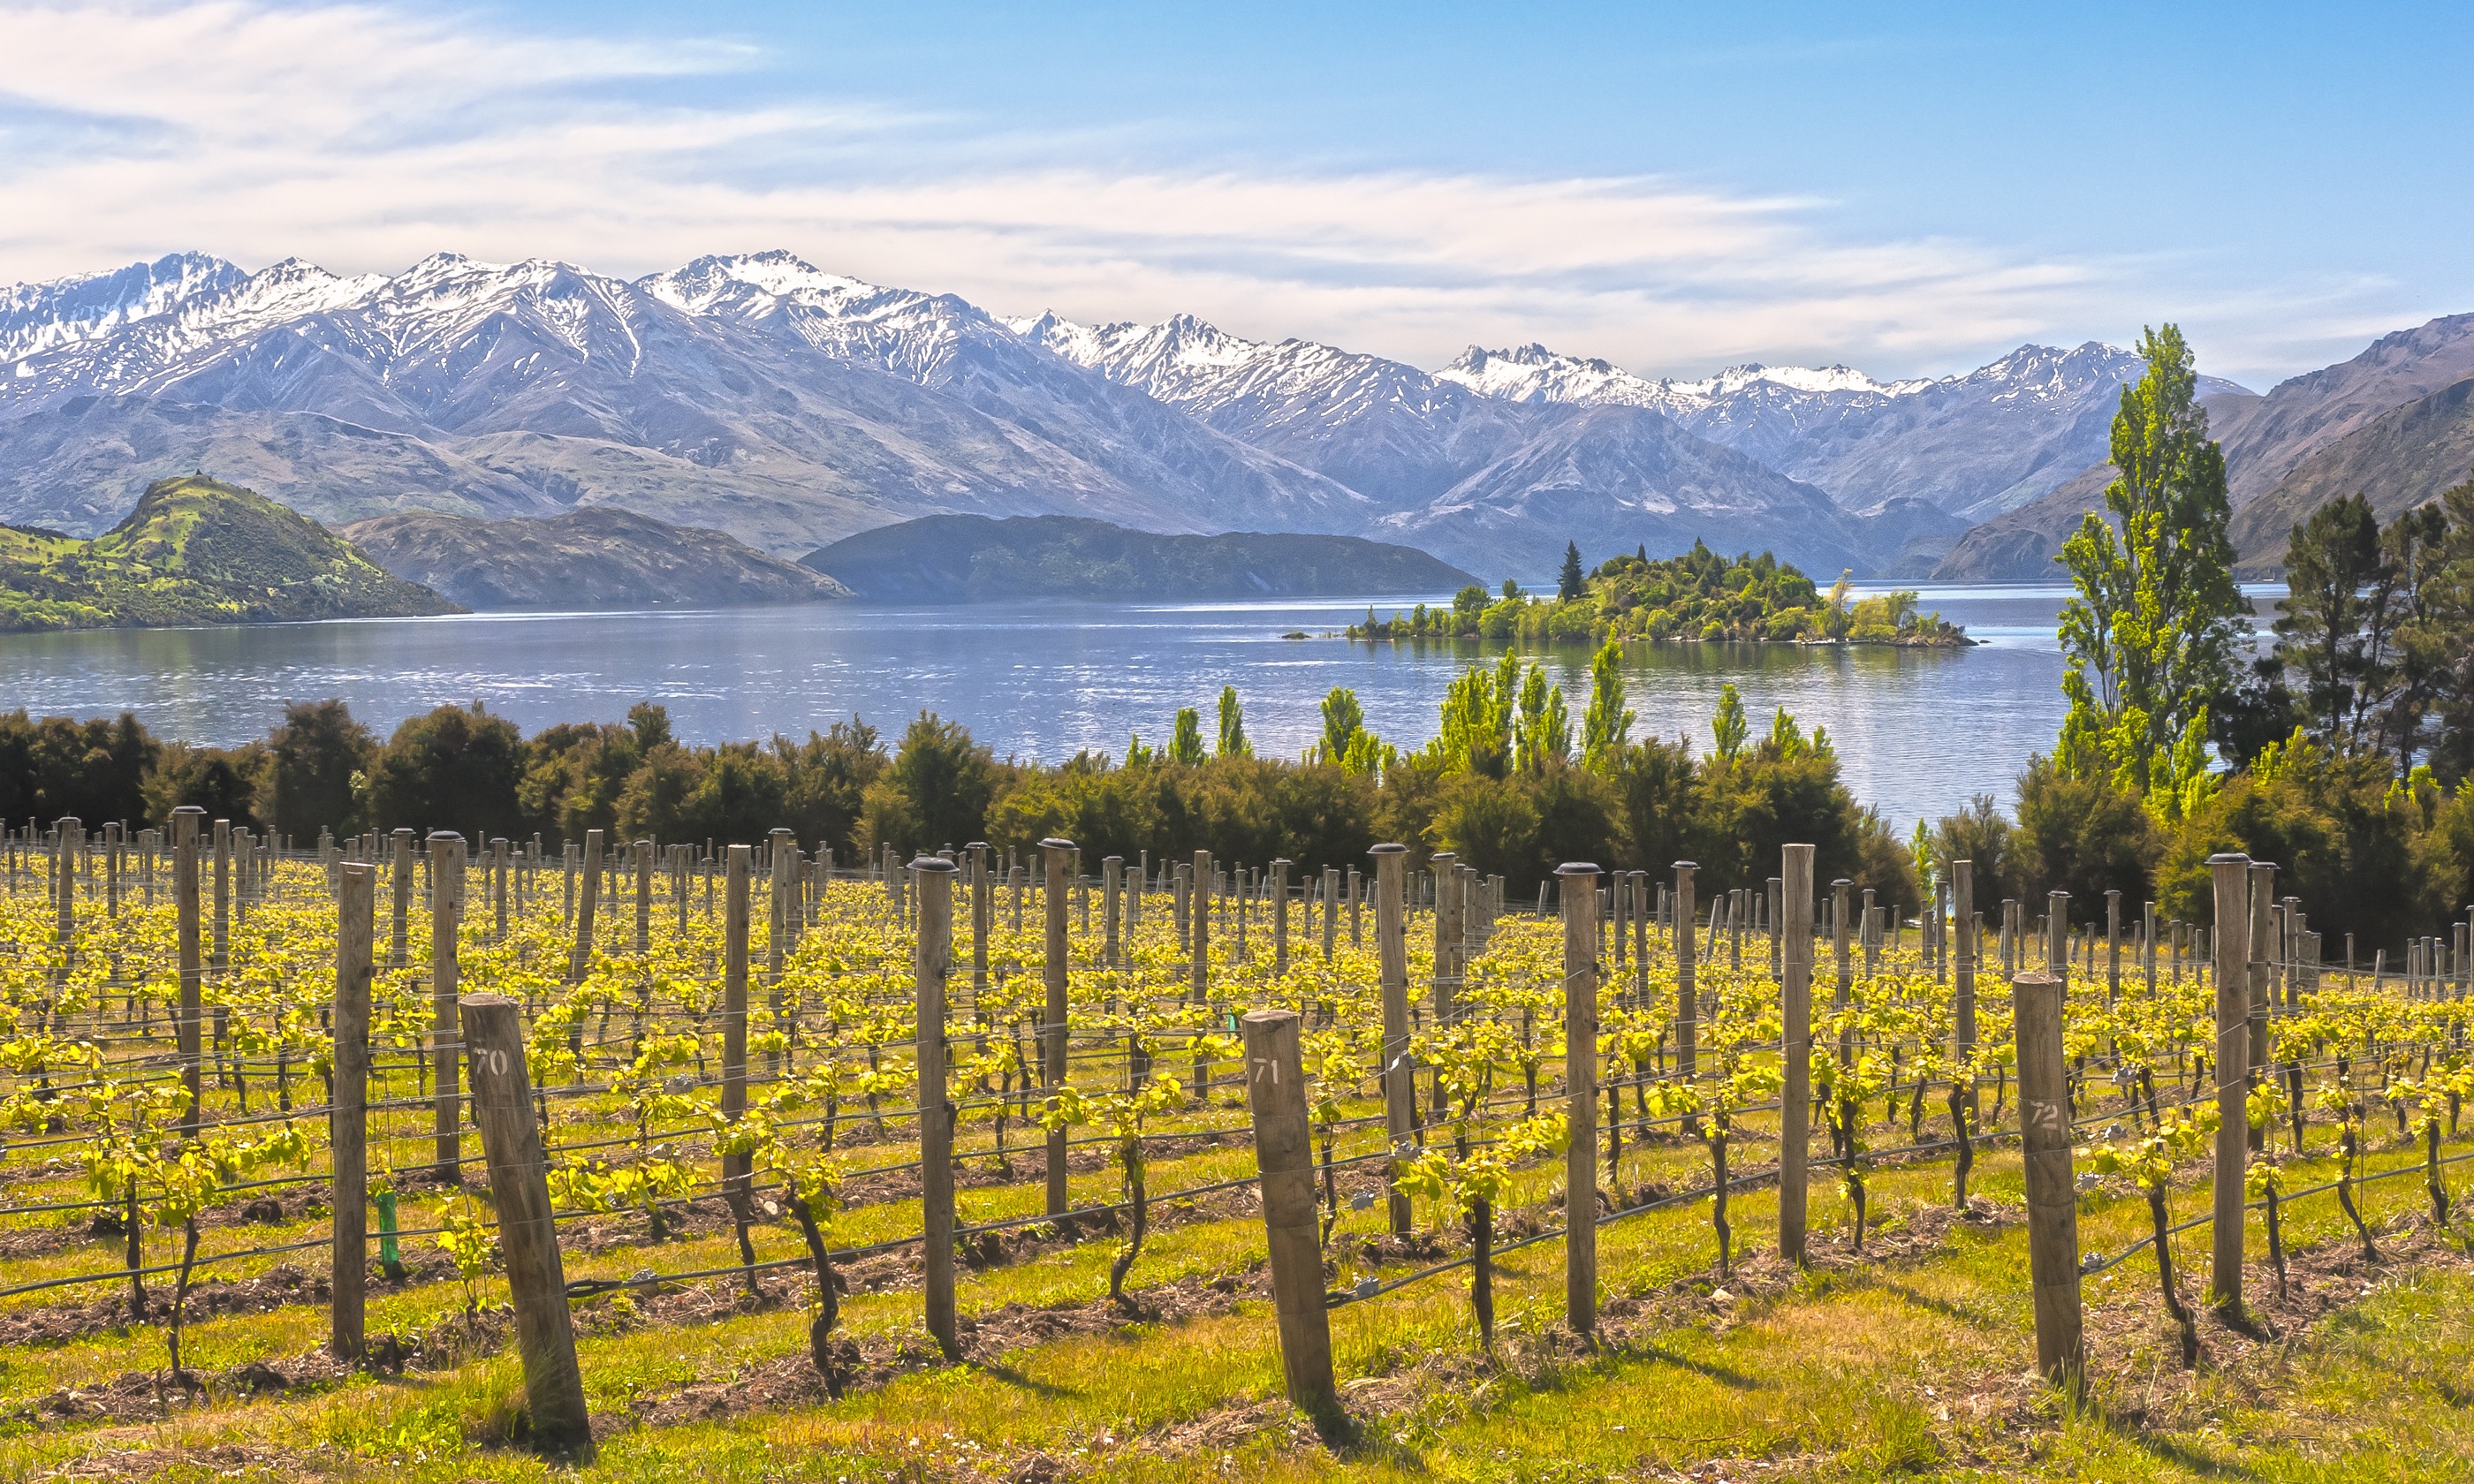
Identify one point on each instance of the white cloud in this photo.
(363, 137)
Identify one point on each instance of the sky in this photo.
(1912, 190)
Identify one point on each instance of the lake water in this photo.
(1918, 730)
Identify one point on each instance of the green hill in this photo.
(972, 558)
(197, 551)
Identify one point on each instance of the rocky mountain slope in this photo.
(197, 551)
(600, 556)
(945, 559)
(2352, 426)
(2402, 458)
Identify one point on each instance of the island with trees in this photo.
(1698, 597)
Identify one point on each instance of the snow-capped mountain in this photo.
(1976, 443)
(36, 317)
(791, 406)
(753, 395)
(1477, 476)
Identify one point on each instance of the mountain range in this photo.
(792, 407)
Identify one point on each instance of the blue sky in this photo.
(1909, 190)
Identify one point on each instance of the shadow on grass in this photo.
(1928, 1304)
(1047, 1391)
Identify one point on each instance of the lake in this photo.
(1918, 730)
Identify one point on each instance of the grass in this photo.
(1907, 1368)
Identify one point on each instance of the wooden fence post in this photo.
(1795, 1047)
(1399, 1090)
(1963, 926)
(1577, 886)
(356, 898)
(2260, 951)
(579, 953)
(1280, 918)
(446, 972)
(2053, 1199)
(1054, 963)
(1112, 901)
(185, 896)
(983, 906)
(643, 851)
(1276, 1091)
(218, 957)
(493, 1039)
(1446, 985)
(1201, 956)
(1688, 997)
(740, 864)
(934, 879)
(2231, 946)
(400, 940)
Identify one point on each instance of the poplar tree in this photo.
(1605, 726)
(1232, 726)
(2149, 635)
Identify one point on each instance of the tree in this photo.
(1473, 731)
(2334, 623)
(1606, 725)
(95, 769)
(1232, 726)
(1185, 741)
(828, 779)
(2083, 836)
(1569, 584)
(1728, 727)
(223, 783)
(1343, 719)
(453, 768)
(1983, 836)
(2150, 633)
(313, 760)
(1545, 730)
(2452, 754)
(935, 794)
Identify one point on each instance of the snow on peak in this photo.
(757, 282)
(39, 317)
(1824, 380)
(1534, 373)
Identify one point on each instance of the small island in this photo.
(197, 551)
(1699, 597)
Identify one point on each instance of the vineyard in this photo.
(428, 1158)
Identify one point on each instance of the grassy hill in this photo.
(598, 556)
(197, 551)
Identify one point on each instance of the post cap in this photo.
(1577, 868)
(933, 865)
(1281, 860)
(1389, 848)
(1053, 843)
(2229, 858)
(1688, 865)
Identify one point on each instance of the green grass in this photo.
(1902, 1369)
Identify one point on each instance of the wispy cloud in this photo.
(364, 136)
